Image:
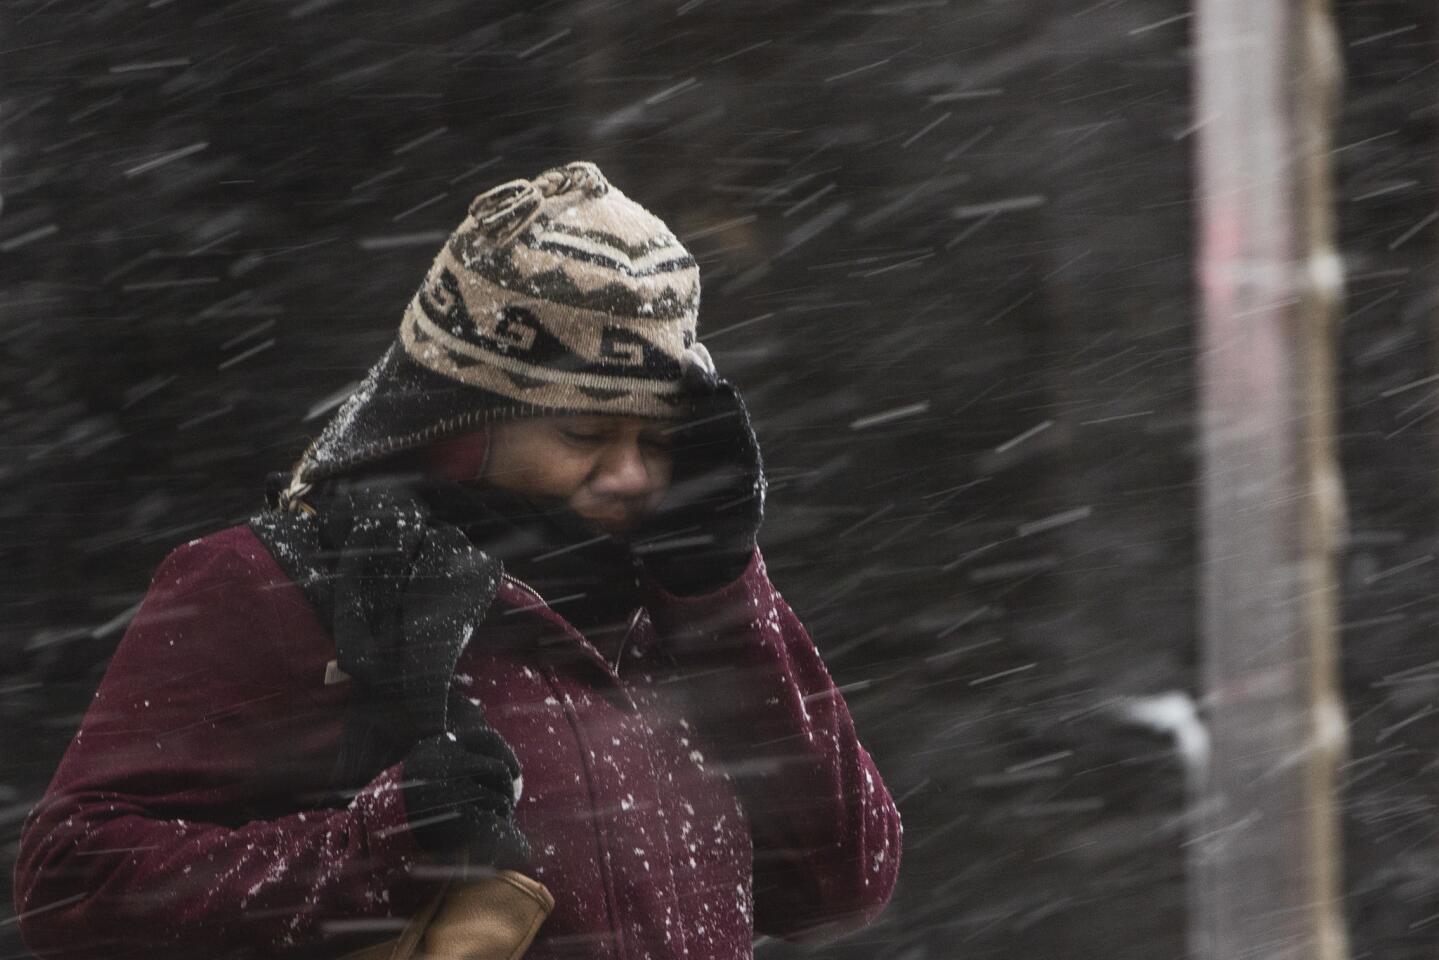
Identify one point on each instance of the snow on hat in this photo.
(554, 295)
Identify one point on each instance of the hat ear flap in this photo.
(461, 458)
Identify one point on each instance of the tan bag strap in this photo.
(407, 944)
(413, 935)
(494, 917)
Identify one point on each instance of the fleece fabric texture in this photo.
(706, 786)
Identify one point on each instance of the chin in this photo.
(614, 526)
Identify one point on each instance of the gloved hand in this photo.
(702, 536)
(460, 790)
(408, 593)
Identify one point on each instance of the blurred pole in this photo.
(1265, 854)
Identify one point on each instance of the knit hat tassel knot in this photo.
(503, 213)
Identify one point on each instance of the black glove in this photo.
(460, 791)
(408, 594)
(702, 536)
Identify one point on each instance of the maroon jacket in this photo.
(710, 788)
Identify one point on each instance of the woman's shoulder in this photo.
(232, 558)
(225, 599)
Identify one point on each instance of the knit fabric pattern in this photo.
(554, 295)
(590, 307)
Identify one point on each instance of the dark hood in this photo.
(399, 406)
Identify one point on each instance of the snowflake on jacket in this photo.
(708, 787)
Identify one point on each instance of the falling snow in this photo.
(948, 254)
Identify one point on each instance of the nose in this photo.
(621, 472)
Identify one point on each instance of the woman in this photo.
(506, 612)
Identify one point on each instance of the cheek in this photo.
(661, 469)
(559, 477)
(532, 465)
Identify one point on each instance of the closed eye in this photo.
(582, 436)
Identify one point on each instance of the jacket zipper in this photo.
(540, 604)
(625, 640)
(539, 600)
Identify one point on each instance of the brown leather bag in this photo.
(495, 918)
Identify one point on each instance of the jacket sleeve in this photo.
(144, 845)
(826, 831)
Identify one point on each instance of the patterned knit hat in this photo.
(555, 295)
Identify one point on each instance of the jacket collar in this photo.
(540, 625)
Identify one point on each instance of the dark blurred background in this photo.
(947, 252)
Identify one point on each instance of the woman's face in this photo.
(610, 470)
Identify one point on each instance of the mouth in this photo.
(611, 521)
